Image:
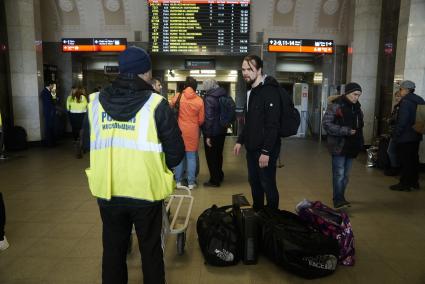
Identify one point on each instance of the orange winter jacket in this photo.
(191, 117)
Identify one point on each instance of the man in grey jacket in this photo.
(407, 139)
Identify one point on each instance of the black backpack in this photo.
(290, 117)
(292, 244)
(217, 236)
(227, 110)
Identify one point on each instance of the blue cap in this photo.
(134, 60)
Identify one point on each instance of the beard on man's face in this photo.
(248, 80)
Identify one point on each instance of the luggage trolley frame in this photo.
(175, 227)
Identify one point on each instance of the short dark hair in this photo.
(190, 82)
(254, 61)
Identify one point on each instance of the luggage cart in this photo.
(174, 222)
(178, 218)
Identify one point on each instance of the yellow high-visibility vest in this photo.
(126, 158)
(76, 107)
(92, 96)
(1, 123)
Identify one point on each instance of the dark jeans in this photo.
(214, 156)
(341, 167)
(117, 225)
(409, 162)
(76, 120)
(263, 180)
(2, 217)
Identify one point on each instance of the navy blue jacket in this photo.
(211, 126)
(403, 131)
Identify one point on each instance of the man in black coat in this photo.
(49, 113)
(260, 133)
(407, 140)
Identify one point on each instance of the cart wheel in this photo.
(181, 240)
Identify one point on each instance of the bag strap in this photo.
(177, 104)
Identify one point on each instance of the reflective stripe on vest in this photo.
(142, 120)
(126, 158)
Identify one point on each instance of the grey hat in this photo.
(209, 84)
(407, 85)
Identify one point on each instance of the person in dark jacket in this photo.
(407, 140)
(123, 102)
(343, 122)
(260, 133)
(214, 132)
(49, 113)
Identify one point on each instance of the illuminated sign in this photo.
(300, 45)
(199, 64)
(111, 69)
(199, 26)
(93, 44)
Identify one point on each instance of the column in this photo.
(26, 63)
(410, 57)
(363, 58)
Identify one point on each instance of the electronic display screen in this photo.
(300, 45)
(199, 26)
(93, 44)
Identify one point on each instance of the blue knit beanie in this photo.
(134, 60)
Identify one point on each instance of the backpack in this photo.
(217, 236)
(290, 118)
(292, 244)
(16, 139)
(332, 223)
(227, 110)
(176, 107)
(419, 125)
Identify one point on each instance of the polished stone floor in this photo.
(54, 228)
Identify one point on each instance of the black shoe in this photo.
(341, 204)
(211, 184)
(392, 172)
(400, 187)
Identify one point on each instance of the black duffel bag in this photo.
(293, 245)
(218, 236)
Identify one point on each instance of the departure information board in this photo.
(300, 45)
(199, 26)
(93, 44)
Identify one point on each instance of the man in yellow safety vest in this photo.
(134, 143)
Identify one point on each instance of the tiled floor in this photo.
(54, 227)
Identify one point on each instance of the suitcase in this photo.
(246, 222)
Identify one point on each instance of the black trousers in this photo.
(76, 120)
(409, 162)
(117, 225)
(49, 130)
(263, 180)
(214, 157)
(2, 217)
